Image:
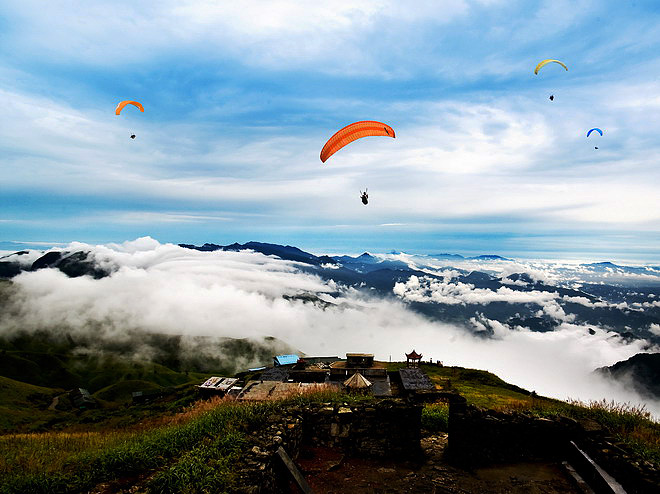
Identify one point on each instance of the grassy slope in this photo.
(197, 452)
(629, 425)
(479, 387)
(192, 452)
(88, 371)
(25, 404)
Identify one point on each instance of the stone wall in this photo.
(260, 471)
(381, 429)
(392, 428)
(479, 437)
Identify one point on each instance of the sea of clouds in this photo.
(165, 288)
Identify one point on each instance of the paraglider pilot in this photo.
(364, 196)
(552, 97)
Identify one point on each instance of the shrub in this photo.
(435, 417)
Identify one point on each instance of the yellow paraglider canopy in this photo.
(545, 62)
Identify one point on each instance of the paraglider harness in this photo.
(364, 196)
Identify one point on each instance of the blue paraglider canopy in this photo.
(596, 129)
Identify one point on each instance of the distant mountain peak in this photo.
(287, 252)
(447, 256)
(489, 257)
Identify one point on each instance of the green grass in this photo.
(194, 454)
(122, 391)
(205, 468)
(48, 452)
(629, 424)
(435, 417)
(173, 448)
(478, 387)
(331, 396)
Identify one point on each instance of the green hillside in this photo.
(23, 404)
(479, 387)
(55, 361)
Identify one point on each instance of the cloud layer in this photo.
(167, 289)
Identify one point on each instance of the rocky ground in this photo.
(328, 472)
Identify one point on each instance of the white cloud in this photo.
(331, 36)
(167, 289)
(445, 291)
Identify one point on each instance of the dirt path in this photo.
(54, 403)
(328, 472)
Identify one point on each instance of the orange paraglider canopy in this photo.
(352, 132)
(122, 104)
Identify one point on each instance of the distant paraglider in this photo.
(352, 132)
(545, 62)
(122, 104)
(365, 197)
(552, 97)
(597, 130)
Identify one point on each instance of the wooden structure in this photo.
(412, 359)
(293, 470)
(358, 383)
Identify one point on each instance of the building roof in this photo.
(327, 360)
(357, 381)
(268, 390)
(380, 386)
(275, 374)
(413, 355)
(415, 379)
(219, 383)
(342, 364)
(285, 359)
(359, 355)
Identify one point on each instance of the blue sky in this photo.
(240, 99)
